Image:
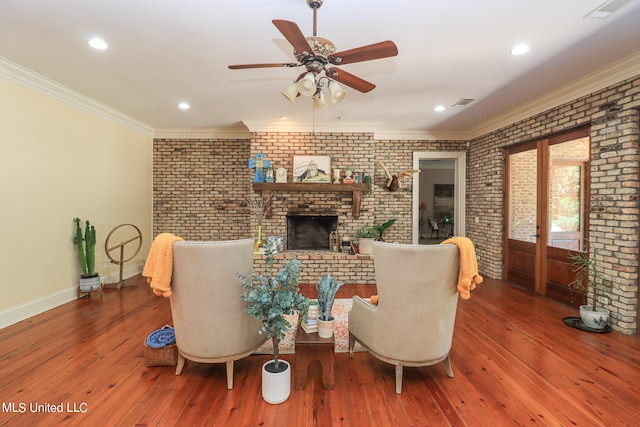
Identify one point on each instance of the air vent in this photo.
(462, 102)
(605, 9)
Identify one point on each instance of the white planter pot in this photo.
(594, 319)
(88, 284)
(325, 328)
(365, 246)
(276, 387)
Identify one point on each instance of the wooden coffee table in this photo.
(310, 347)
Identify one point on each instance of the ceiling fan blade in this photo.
(350, 80)
(292, 33)
(364, 53)
(281, 65)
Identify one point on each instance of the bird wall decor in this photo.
(393, 181)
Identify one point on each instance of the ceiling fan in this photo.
(317, 55)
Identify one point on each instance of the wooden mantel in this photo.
(266, 188)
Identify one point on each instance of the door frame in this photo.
(544, 254)
(460, 180)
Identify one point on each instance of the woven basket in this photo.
(164, 356)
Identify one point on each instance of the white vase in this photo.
(365, 246)
(276, 387)
(594, 319)
(325, 328)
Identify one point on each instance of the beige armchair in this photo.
(208, 313)
(412, 325)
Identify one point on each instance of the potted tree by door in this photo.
(591, 286)
(271, 296)
(86, 246)
(327, 288)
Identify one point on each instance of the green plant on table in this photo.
(327, 288)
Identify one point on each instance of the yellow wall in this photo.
(58, 162)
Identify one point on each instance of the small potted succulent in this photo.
(86, 246)
(271, 296)
(327, 288)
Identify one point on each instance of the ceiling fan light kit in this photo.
(307, 85)
(318, 100)
(336, 91)
(315, 53)
(291, 92)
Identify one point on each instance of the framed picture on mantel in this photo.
(312, 169)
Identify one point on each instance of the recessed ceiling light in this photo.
(520, 49)
(99, 44)
(439, 108)
(184, 106)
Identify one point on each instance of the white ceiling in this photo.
(163, 52)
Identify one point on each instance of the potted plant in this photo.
(591, 286)
(368, 233)
(86, 245)
(270, 296)
(327, 288)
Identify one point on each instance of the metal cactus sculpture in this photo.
(86, 253)
(327, 288)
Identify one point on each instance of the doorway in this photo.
(546, 199)
(438, 196)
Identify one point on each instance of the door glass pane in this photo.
(567, 166)
(523, 169)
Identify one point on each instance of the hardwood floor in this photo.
(514, 360)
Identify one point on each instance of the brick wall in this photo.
(353, 269)
(614, 215)
(198, 188)
(201, 186)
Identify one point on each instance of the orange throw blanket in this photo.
(159, 265)
(468, 276)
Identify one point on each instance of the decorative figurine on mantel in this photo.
(281, 175)
(336, 176)
(268, 175)
(348, 179)
(259, 163)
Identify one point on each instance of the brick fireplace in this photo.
(310, 232)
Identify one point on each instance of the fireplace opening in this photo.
(310, 232)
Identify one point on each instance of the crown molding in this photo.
(288, 126)
(29, 79)
(613, 74)
(421, 135)
(207, 133)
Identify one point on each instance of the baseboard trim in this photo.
(40, 305)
